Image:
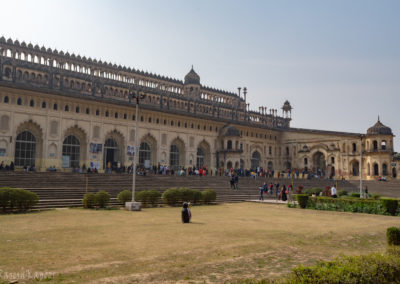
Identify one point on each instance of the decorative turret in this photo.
(192, 84)
(379, 129)
(287, 109)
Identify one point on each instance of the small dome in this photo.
(229, 130)
(287, 106)
(192, 77)
(379, 129)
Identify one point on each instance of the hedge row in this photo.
(17, 199)
(99, 199)
(383, 206)
(374, 268)
(175, 196)
(146, 197)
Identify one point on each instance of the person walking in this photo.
(236, 182)
(284, 193)
(333, 192)
(261, 189)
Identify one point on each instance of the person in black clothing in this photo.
(186, 214)
(236, 182)
(283, 193)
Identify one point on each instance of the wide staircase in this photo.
(58, 189)
(390, 188)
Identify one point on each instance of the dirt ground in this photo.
(224, 243)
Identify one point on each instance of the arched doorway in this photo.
(333, 172)
(200, 158)
(255, 160)
(270, 166)
(71, 152)
(376, 170)
(174, 157)
(384, 170)
(229, 165)
(287, 165)
(394, 172)
(144, 155)
(355, 168)
(25, 149)
(319, 163)
(110, 152)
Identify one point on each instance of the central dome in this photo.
(229, 130)
(192, 77)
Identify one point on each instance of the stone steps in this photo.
(67, 189)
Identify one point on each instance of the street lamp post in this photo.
(361, 166)
(133, 205)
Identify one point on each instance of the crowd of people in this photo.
(4, 167)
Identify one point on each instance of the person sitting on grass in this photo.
(186, 214)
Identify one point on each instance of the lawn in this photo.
(225, 242)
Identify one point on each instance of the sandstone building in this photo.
(64, 110)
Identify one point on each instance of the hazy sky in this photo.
(337, 62)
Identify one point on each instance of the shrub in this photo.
(102, 198)
(187, 194)
(393, 236)
(18, 198)
(355, 194)
(209, 196)
(124, 196)
(197, 196)
(302, 199)
(390, 205)
(374, 268)
(172, 196)
(342, 192)
(89, 200)
(153, 197)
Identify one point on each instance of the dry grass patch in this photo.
(224, 243)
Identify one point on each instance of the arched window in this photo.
(375, 145)
(55, 106)
(229, 145)
(255, 160)
(71, 149)
(174, 156)
(354, 147)
(144, 154)
(25, 149)
(66, 108)
(32, 103)
(200, 158)
(19, 101)
(305, 161)
(383, 145)
(43, 104)
(384, 170)
(376, 170)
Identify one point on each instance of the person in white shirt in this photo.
(333, 192)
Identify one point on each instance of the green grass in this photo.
(224, 243)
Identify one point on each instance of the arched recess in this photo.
(376, 169)
(22, 148)
(255, 160)
(203, 157)
(270, 166)
(148, 150)
(177, 153)
(355, 168)
(114, 147)
(229, 165)
(81, 136)
(384, 169)
(394, 172)
(319, 161)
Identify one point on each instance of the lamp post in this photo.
(133, 205)
(361, 165)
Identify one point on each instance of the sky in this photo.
(337, 62)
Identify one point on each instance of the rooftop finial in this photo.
(379, 119)
(192, 66)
